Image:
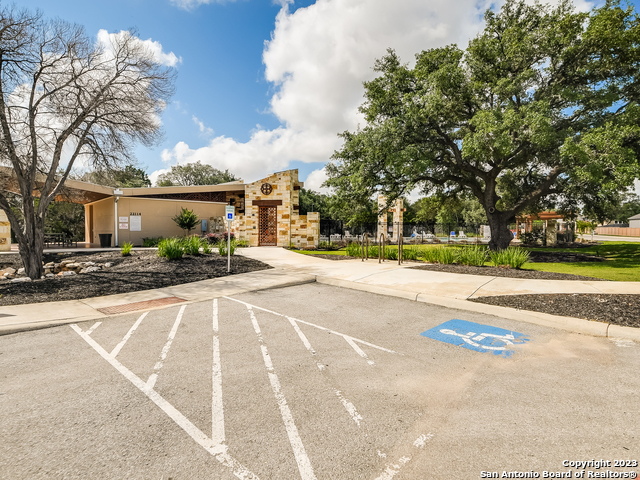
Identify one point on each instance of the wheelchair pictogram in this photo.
(478, 337)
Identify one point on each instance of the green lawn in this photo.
(622, 264)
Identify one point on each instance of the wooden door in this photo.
(267, 226)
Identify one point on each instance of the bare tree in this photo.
(66, 99)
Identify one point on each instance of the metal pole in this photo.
(229, 246)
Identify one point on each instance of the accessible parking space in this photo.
(312, 382)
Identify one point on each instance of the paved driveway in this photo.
(312, 382)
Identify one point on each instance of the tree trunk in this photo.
(501, 236)
(31, 243)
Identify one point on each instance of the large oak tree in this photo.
(66, 98)
(542, 104)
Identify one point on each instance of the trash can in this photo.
(105, 239)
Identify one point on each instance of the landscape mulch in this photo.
(143, 270)
(616, 309)
(503, 272)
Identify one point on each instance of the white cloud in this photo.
(317, 59)
(170, 59)
(315, 180)
(201, 126)
(191, 4)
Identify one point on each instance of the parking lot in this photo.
(312, 382)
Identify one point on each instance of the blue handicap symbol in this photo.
(478, 337)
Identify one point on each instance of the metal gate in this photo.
(267, 226)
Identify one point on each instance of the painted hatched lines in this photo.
(214, 445)
(118, 347)
(151, 382)
(304, 464)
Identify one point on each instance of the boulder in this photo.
(90, 269)
(21, 280)
(20, 271)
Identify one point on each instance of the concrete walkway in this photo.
(387, 278)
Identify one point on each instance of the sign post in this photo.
(229, 212)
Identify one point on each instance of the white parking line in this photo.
(217, 450)
(116, 351)
(304, 464)
(217, 412)
(391, 469)
(358, 350)
(92, 329)
(350, 407)
(165, 350)
(362, 342)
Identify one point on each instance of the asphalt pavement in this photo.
(313, 382)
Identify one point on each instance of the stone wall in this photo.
(5, 232)
(292, 228)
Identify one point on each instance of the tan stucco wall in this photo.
(156, 218)
(5, 232)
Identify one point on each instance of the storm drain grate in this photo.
(131, 307)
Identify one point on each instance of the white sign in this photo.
(136, 223)
(124, 226)
(229, 212)
(123, 219)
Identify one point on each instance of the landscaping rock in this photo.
(9, 271)
(20, 280)
(21, 271)
(90, 269)
(67, 273)
(49, 275)
(72, 266)
(108, 264)
(49, 265)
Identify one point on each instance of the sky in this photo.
(264, 86)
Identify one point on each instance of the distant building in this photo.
(634, 222)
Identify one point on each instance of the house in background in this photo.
(634, 222)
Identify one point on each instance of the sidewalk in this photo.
(387, 278)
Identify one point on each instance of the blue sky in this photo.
(263, 86)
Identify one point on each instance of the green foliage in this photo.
(67, 218)
(447, 255)
(127, 177)
(531, 237)
(328, 246)
(242, 243)
(542, 105)
(353, 249)
(192, 245)
(512, 257)
(409, 253)
(430, 254)
(186, 220)
(585, 227)
(222, 247)
(151, 241)
(311, 201)
(474, 256)
(125, 250)
(195, 174)
(171, 248)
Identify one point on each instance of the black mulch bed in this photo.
(503, 272)
(143, 270)
(537, 256)
(617, 309)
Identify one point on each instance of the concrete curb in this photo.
(570, 324)
(214, 291)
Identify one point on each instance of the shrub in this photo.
(353, 250)
(447, 256)
(531, 237)
(410, 253)
(151, 241)
(125, 250)
(245, 244)
(191, 245)
(186, 220)
(430, 254)
(216, 238)
(391, 253)
(475, 256)
(328, 246)
(170, 248)
(222, 247)
(511, 257)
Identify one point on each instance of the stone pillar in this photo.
(313, 229)
(398, 214)
(382, 217)
(5, 232)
